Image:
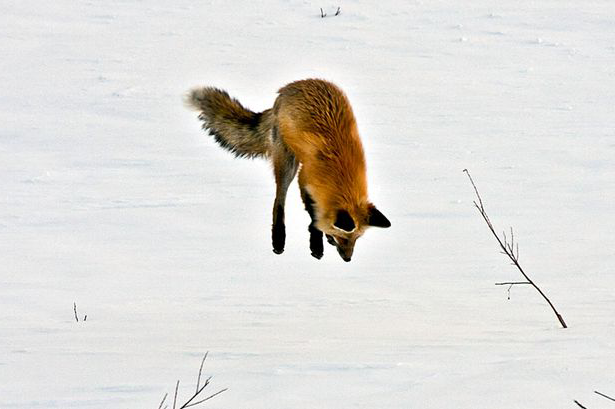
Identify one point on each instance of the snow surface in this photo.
(111, 197)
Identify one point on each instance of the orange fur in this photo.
(317, 124)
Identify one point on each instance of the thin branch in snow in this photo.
(85, 317)
(508, 249)
(337, 12)
(581, 406)
(204, 400)
(196, 398)
(604, 396)
(162, 401)
(175, 396)
(514, 283)
(510, 286)
(198, 381)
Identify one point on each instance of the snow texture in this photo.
(111, 197)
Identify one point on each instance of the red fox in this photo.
(311, 128)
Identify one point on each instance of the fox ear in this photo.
(343, 221)
(376, 218)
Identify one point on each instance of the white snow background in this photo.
(111, 197)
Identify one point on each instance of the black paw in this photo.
(316, 242)
(316, 254)
(278, 238)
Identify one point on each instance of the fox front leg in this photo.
(285, 168)
(316, 246)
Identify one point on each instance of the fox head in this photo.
(343, 227)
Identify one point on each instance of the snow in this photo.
(114, 199)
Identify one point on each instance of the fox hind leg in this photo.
(285, 168)
(316, 246)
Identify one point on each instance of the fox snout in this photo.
(346, 257)
(345, 247)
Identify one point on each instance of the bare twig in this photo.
(581, 406)
(192, 401)
(508, 249)
(198, 381)
(175, 396)
(604, 396)
(337, 12)
(85, 317)
(204, 400)
(514, 283)
(162, 401)
(510, 286)
(198, 391)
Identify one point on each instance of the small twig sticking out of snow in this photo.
(85, 317)
(198, 381)
(513, 283)
(510, 285)
(581, 406)
(508, 248)
(337, 12)
(175, 396)
(199, 389)
(604, 396)
(162, 401)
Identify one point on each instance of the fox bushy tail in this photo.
(235, 128)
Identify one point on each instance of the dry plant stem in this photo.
(581, 406)
(186, 405)
(604, 396)
(85, 317)
(197, 394)
(323, 14)
(198, 381)
(508, 250)
(175, 396)
(162, 401)
(513, 283)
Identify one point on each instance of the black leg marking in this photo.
(278, 231)
(316, 242)
(285, 168)
(315, 235)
